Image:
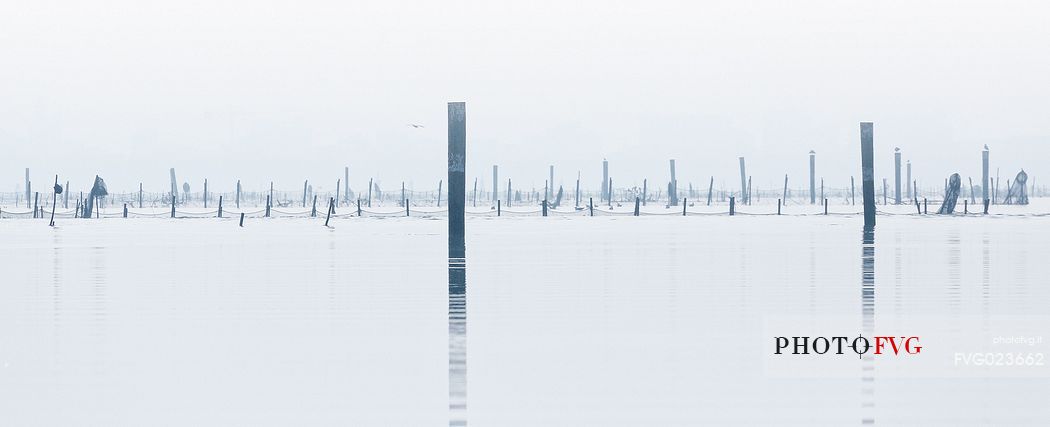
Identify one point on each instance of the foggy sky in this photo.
(287, 91)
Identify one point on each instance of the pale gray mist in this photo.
(287, 91)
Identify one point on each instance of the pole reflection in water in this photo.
(457, 265)
(867, 262)
(457, 341)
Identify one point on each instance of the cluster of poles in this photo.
(669, 195)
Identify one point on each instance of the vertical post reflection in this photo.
(867, 261)
(457, 265)
(457, 341)
(986, 273)
(954, 279)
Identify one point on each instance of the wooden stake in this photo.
(331, 202)
(54, 201)
(812, 177)
(457, 161)
(867, 161)
(645, 189)
(710, 187)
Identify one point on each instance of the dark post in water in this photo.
(606, 191)
(28, 188)
(867, 164)
(495, 168)
(813, 177)
(897, 176)
(908, 182)
(672, 188)
(743, 182)
(550, 188)
(984, 175)
(457, 156)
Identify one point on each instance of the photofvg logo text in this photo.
(840, 345)
(919, 346)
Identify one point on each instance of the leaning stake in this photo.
(331, 201)
(54, 200)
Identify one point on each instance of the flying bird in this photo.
(417, 126)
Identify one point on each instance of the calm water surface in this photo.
(555, 321)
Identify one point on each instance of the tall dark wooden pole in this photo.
(457, 159)
(743, 182)
(852, 191)
(812, 177)
(605, 181)
(174, 185)
(495, 168)
(984, 174)
(577, 190)
(28, 188)
(867, 162)
(550, 188)
(907, 184)
(457, 284)
(897, 176)
(672, 187)
(645, 190)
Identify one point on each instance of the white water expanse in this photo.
(574, 321)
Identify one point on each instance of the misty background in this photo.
(287, 91)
